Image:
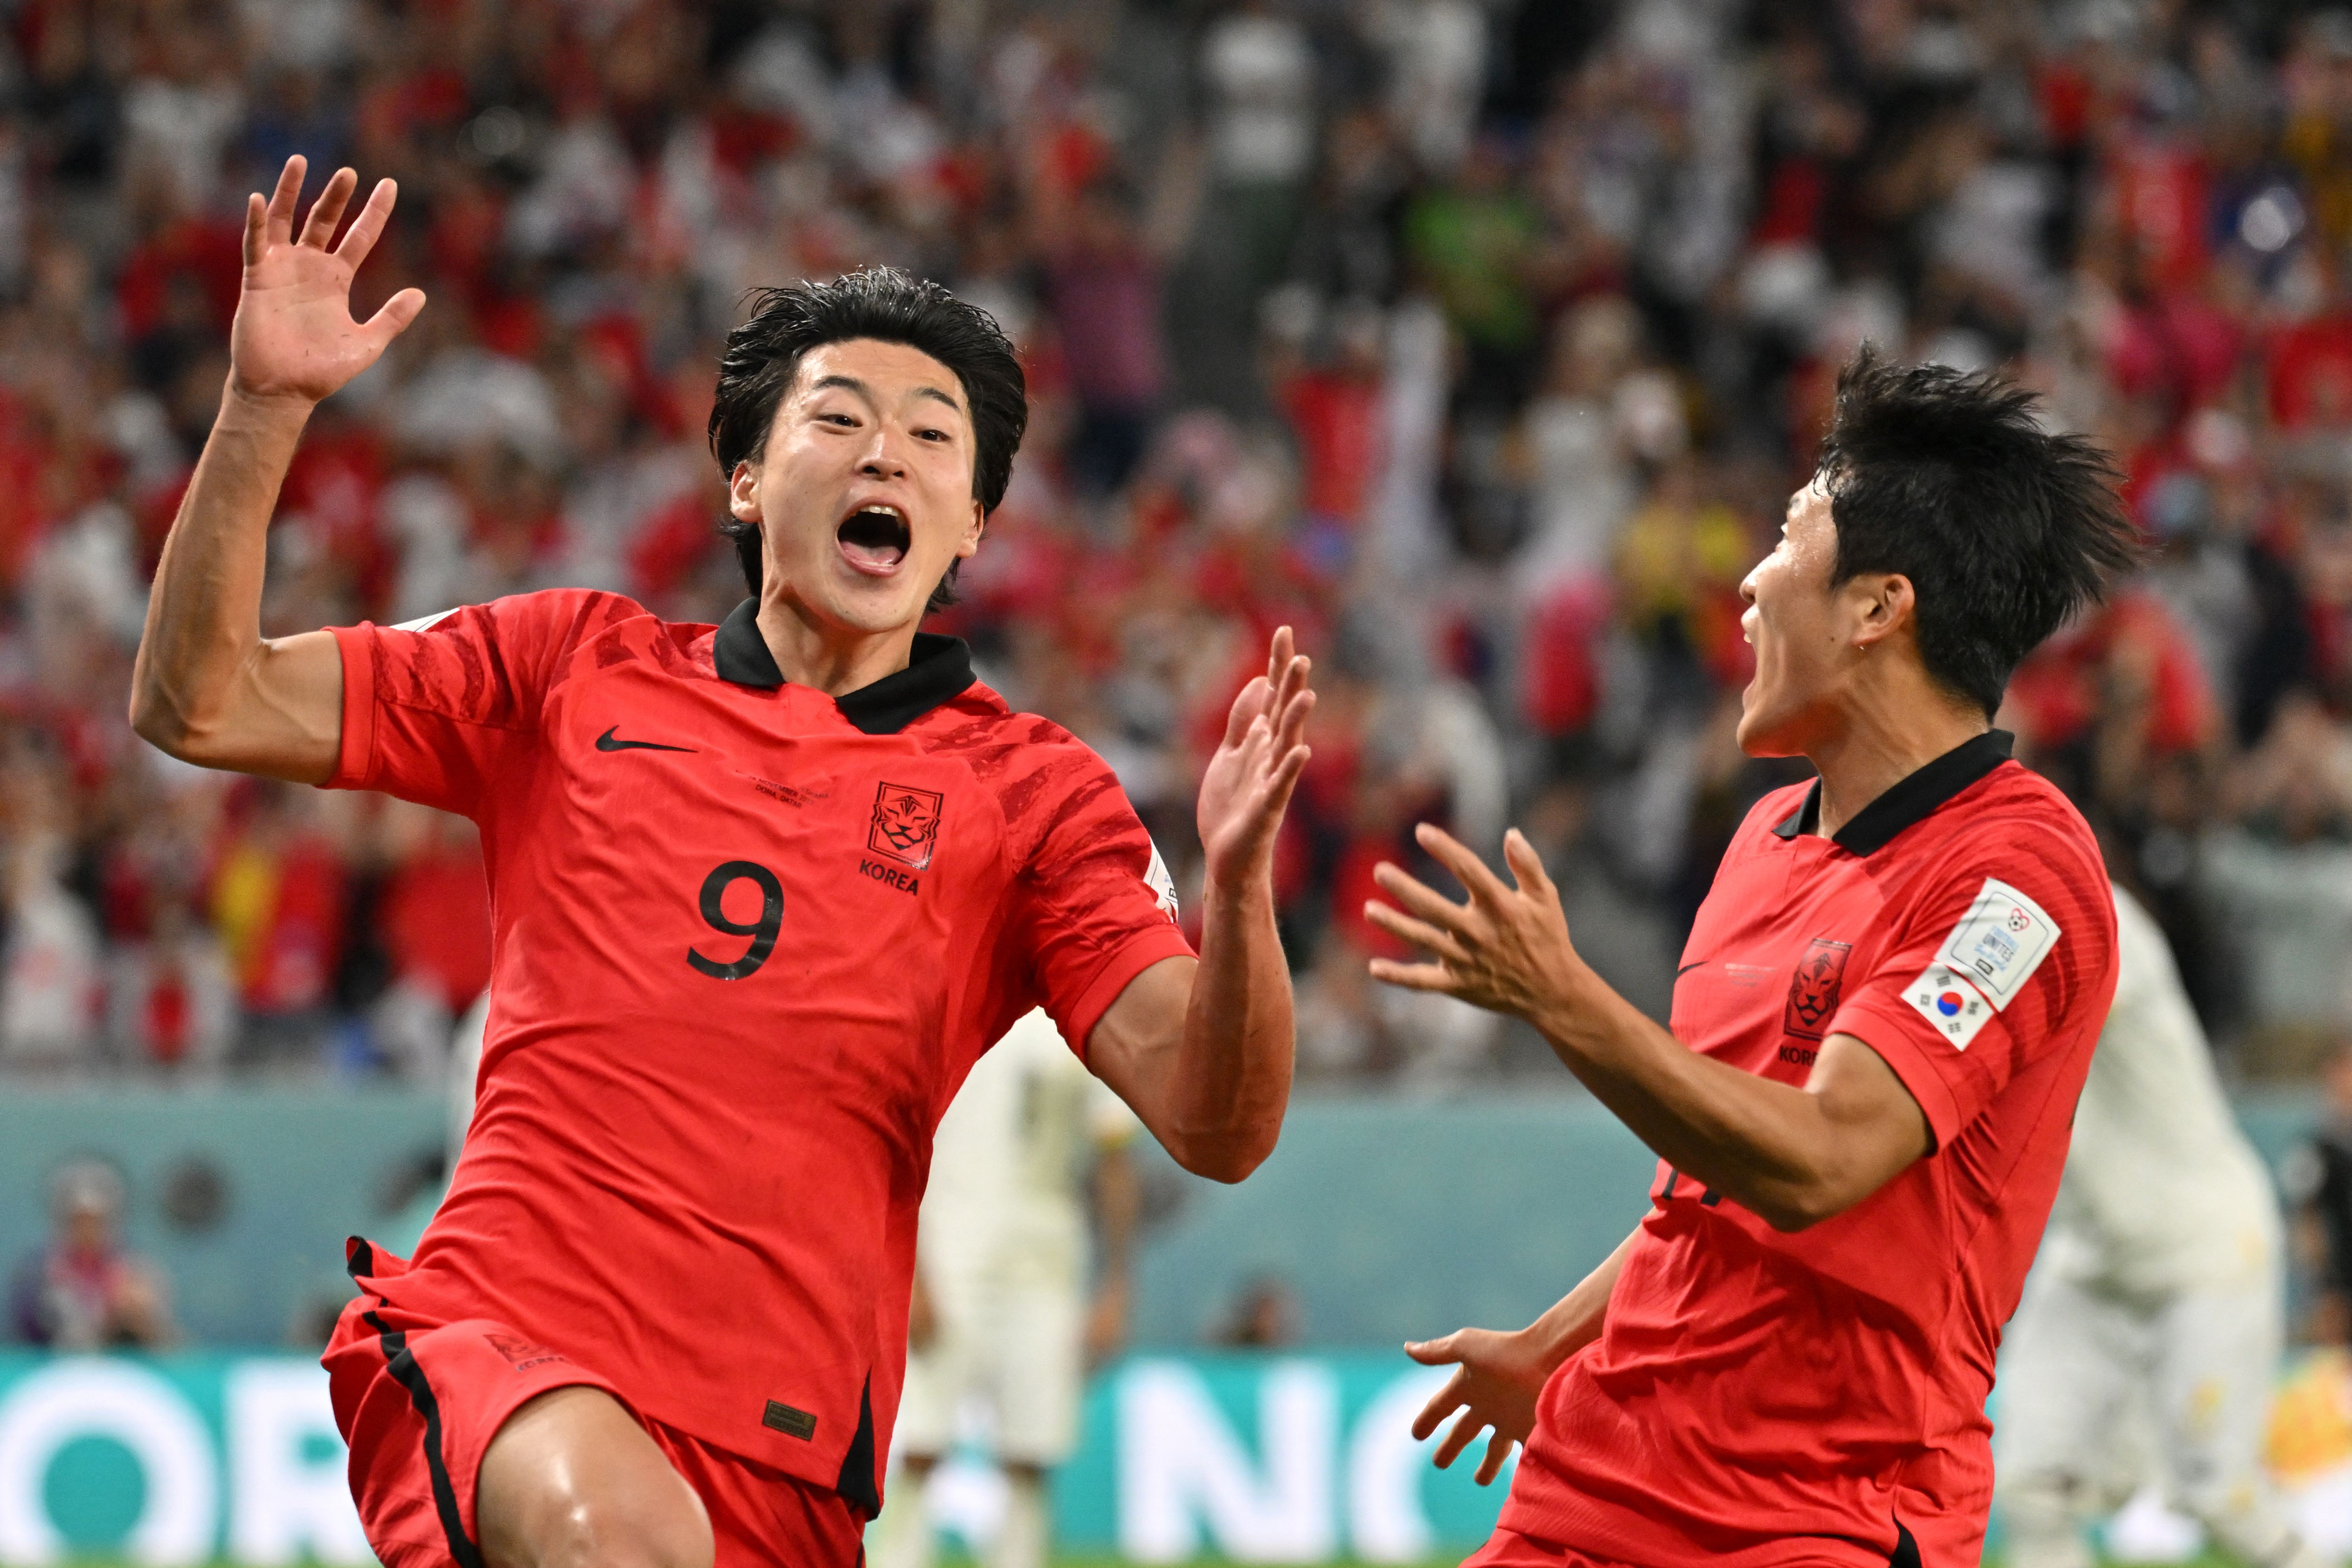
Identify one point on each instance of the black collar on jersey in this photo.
(940, 669)
(1912, 799)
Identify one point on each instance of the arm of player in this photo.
(1499, 1377)
(207, 687)
(1795, 1156)
(1202, 1048)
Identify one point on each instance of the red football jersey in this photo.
(747, 941)
(1760, 1398)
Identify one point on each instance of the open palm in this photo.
(294, 337)
(1248, 783)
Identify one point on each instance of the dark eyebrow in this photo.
(851, 383)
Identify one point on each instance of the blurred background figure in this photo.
(85, 1290)
(2148, 1344)
(2319, 1179)
(1262, 1317)
(1020, 1284)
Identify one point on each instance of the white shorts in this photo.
(2190, 1375)
(1016, 1348)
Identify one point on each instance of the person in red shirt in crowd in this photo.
(762, 893)
(1881, 1024)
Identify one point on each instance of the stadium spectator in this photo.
(1503, 314)
(85, 1290)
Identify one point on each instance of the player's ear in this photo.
(743, 493)
(1883, 603)
(970, 543)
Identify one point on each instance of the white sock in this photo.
(1022, 1542)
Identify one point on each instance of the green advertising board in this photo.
(187, 1459)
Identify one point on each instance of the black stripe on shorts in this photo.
(403, 1364)
(1907, 1551)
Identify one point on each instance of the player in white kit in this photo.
(1002, 1308)
(2156, 1304)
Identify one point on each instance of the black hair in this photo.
(763, 355)
(2003, 528)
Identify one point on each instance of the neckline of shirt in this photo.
(937, 670)
(1909, 801)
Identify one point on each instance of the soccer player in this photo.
(1880, 1026)
(762, 893)
(2159, 1302)
(1003, 1312)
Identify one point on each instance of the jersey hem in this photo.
(356, 746)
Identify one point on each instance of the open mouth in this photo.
(875, 539)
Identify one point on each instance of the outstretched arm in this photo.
(1201, 1049)
(207, 687)
(1794, 1156)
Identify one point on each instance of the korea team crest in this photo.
(905, 824)
(1813, 990)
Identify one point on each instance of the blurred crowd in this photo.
(1481, 342)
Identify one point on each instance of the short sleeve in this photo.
(2000, 954)
(1095, 905)
(435, 709)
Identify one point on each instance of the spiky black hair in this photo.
(2003, 528)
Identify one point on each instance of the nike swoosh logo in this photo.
(605, 742)
(1686, 968)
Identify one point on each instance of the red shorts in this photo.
(419, 1400)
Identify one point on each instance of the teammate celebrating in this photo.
(761, 894)
(1882, 1021)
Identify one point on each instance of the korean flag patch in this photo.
(1956, 1007)
(2000, 942)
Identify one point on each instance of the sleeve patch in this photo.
(427, 623)
(1162, 885)
(2000, 942)
(1946, 1000)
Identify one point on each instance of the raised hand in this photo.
(1496, 1380)
(294, 338)
(1248, 783)
(1506, 948)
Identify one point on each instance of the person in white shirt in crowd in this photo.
(1002, 1311)
(2157, 1303)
